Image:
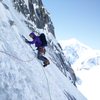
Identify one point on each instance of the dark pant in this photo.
(41, 57)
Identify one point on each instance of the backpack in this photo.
(43, 39)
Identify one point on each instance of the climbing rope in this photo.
(47, 83)
(4, 52)
(29, 61)
(16, 57)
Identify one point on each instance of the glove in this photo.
(26, 40)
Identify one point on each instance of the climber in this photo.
(40, 43)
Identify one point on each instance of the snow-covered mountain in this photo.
(80, 54)
(73, 49)
(22, 76)
(86, 64)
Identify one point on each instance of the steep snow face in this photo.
(22, 76)
(86, 66)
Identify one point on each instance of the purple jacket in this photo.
(35, 41)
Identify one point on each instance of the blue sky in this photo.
(78, 19)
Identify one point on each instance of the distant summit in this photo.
(71, 41)
(75, 50)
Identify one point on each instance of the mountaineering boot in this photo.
(46, 63)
